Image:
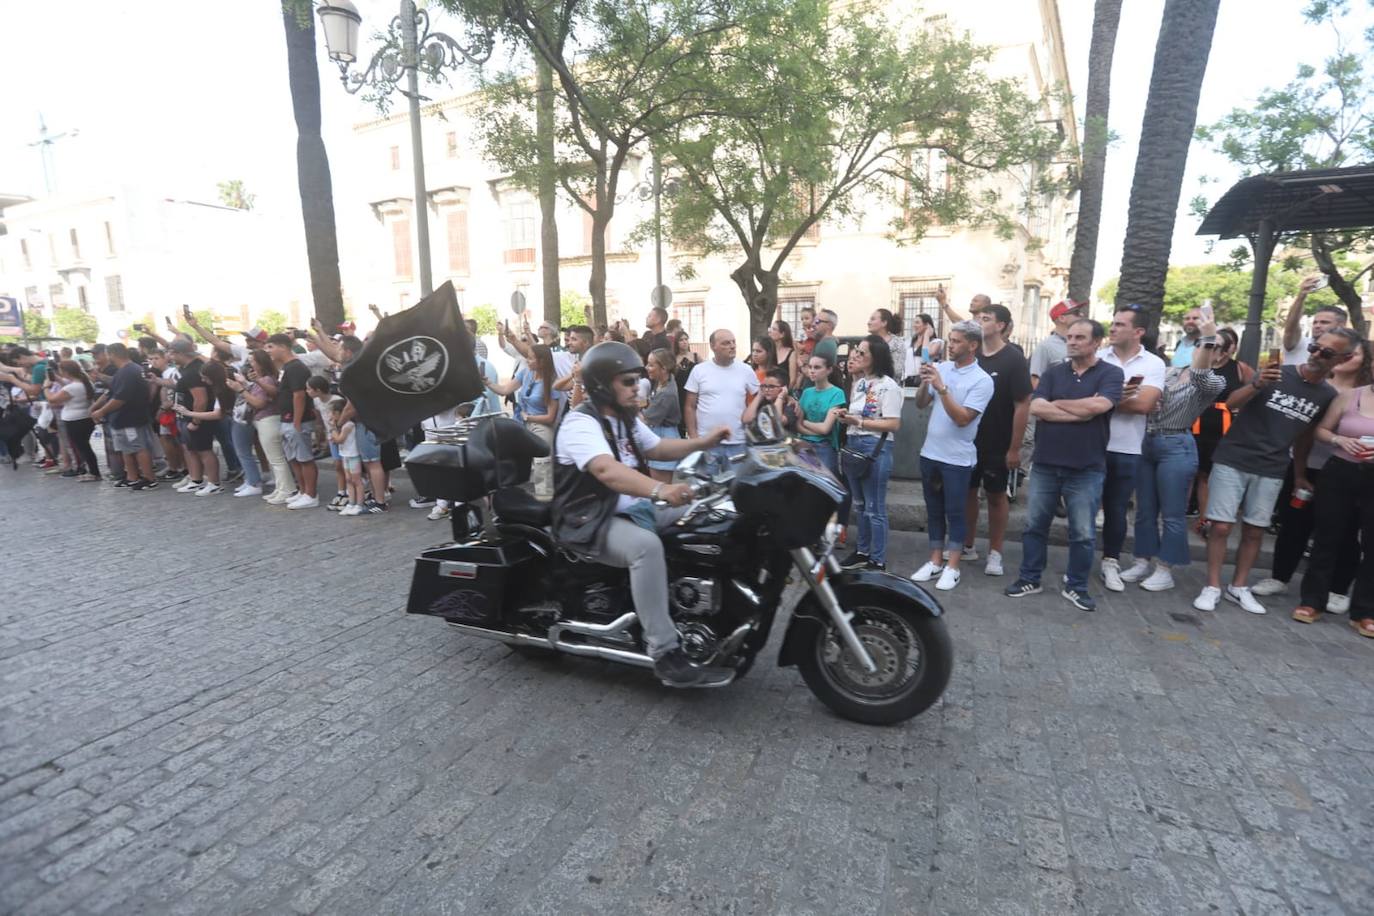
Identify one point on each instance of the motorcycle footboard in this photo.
(468, 583)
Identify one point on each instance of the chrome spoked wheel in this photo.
(892, 643)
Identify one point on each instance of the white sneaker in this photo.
(926, 573)
(304, 502)
(181, 481)
(210, 489)
(1207, 598)
(1136, 571)
(438, 513)
(968, 555)
(187, 485)
(1266, 587)
(1161, 580)
(1241, 595)
(350, 509)
(248, 490)
(994, 567)
(1336, 603)
(1111, 576)
(281, 497)
(948, 579)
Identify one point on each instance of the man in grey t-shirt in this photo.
(1054, 349)
(1279, 406)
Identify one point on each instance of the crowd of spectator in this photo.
(1120, 437)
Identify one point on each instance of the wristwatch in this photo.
(941, 391)
(658, 487)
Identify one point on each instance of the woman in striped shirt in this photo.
(1168, 461)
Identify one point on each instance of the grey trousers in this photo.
(641, 552)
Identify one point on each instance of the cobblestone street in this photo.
(207, 705)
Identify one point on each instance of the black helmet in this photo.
(602, 363)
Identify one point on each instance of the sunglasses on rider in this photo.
(1321, 352)
(627, 381)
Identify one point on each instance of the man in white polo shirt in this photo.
(1144, 374)
(717, 392)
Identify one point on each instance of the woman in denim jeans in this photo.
(1168, 461)
(874, 413)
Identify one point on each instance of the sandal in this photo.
(1364, 626)
(1305, 614)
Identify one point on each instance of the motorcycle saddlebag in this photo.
(468, 583)
(497, 453)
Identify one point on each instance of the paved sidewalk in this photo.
(207, 705)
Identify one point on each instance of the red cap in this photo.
(257, 334)
(1063, 307)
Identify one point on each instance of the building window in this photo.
(57, 295)
(918, 298)
(400, 243)
(109, 240)
(789, 310)
(451, 144)
(520, 232)
(114, 292)
(76, 244)
(395, 159)
(457, 222)
(692, 314)
(24, 252)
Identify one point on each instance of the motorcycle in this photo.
(871, 646)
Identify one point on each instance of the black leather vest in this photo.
(582, 505)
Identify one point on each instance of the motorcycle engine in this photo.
(694, 597)
(699, 642)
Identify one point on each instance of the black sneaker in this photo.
(1081, 600)
(873, 564)
(123, 483)
(376, 508)
(171, 475)
(1021, 588)
(676, 670)
(854, 561)
(70, 474)
(145, 484)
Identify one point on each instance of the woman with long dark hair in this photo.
(785, 350)
(75, 398)
(536, 405)
(762, 356)
(873, 417)
(889, 327)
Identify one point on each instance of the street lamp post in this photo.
(656, 185)
(410, 48)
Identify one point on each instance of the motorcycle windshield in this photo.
(789, 490)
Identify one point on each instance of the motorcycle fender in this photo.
(850, 587)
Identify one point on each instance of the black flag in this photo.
(417, 364)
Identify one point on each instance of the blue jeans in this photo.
(242, 436)
(718, 458)
(1167, 465)
(1082, 491)
(1116, 497)
(869, 494)
(829, 456)
(226, 444)
(945, 486)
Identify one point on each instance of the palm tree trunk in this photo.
(1106, 18)
(1185, 41)
(312, 169)
(548, 225)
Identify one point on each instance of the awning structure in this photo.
(1263, 207)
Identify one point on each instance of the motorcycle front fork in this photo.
(816, 573)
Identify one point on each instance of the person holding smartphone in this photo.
(1324, 318)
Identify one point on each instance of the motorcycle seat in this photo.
(518, 506)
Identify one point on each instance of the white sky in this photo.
(178, 96)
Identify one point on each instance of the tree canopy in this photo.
(75, 324)
(1227, 287)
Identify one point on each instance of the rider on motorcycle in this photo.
(604, 504)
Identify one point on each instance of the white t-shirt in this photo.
(348, 448)
(1298, 355)
(168, 396)
(1128, 429)
(78, 405)
(563, 363)
(722, 393)
(581, 438)
(874, 399)
(315, 361)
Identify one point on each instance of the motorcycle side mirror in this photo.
(691, 466)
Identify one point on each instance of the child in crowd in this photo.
(317, 387)
(343, 441)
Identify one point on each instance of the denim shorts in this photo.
(1230, 491)
(132, 439)
(369, 449)
(296, 445)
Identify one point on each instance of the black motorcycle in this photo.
(872, 646)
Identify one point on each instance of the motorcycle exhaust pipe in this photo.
(606, 653)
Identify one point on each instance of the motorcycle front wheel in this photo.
(912, 651)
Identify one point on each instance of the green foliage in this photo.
(1229, 290)
(572, 308)
(232, 193)
(75, 324)
(204, 317)
(35, 325)
(271, 321)
(485, 316)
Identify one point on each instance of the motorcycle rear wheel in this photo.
(913, 652)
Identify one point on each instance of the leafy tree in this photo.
(232, 193)
(204, 317)
(312, 163)
(35, 325)
(1096, 137)
(1322, 118)
(1226, 286)
(618, 67)
(272, 321)
(1181, 52)
(75, 324)
(485, 316)
(572, 308)
(823, 115)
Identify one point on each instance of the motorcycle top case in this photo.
(497, 453)
(468, 583)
